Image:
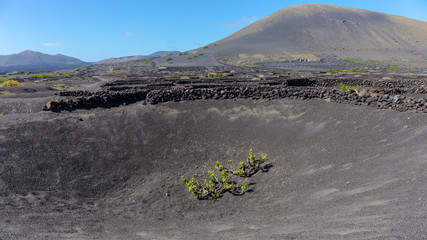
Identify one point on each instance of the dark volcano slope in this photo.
(339, 172)
(326, 29)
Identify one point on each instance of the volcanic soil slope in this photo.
(315, 32)
(113, 170)
(321, 28)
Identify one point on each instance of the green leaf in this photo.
(198, 194)
(211, 175)
(191, 188)
(217, 164)
(262, 159)
(243, 164)
(244, 185)
(229, 162)
(238, 172)
(185, 180)
(224, 175)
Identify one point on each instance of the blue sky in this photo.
(93, 30)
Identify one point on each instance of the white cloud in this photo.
(128, 34)
(240, 22)
(50, 44)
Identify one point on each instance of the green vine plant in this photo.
(228, 180)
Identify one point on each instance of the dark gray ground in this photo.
(339, 172)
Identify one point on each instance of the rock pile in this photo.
(93, 100)
(109, 99)
(396, 102)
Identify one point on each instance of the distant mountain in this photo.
(137, 57)
(325, 29)
(36, 61)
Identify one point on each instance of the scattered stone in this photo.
(51, 105)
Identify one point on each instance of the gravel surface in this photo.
(339, 171)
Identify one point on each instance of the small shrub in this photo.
(42, 75)
(393, 68)
(200, 54)
(67, 75)
(80, 68)
(205, 47)
(146, 61)
(185, 53)
(11, 83)
(194, 56)
(4, 92)
(335, 70)
(221, 75)
(215, 186)
(215, 44)
(4, 80)
(348, 60)
(60, 86)
(357, 70)
(1, 114)
(343, 86)
(409, 70)
(188, 57)
(168, 59)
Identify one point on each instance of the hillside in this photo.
(315, 30)
(157, 54)
(36, 61)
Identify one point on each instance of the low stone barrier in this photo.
(110, 99)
